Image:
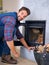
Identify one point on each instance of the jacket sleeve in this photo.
(9, 28)
(18, 34)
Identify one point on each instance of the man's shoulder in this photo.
(14, 14)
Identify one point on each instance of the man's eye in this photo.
(22, 13)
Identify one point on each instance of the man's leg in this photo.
(6, 50)
(6, 56)
(1, 47)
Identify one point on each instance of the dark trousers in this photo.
(4, 49)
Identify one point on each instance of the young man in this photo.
(9, 23)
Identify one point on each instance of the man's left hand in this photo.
(31, 48)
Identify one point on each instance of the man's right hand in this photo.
(16, 54)
(12, 48)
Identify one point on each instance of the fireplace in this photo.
(34, 35)
(35, 32)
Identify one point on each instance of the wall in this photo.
(12, 5)
(39, 11)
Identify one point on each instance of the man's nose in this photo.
(22, 17)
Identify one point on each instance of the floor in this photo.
(21, 61)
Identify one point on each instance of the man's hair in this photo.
(26, 9)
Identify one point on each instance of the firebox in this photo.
(35, 32)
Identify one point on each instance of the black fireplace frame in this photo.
(32, 24)
(28, 24)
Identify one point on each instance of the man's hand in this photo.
(25, 44)
(16, 55)
(12, 48)
(31, 48)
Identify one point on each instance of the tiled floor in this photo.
(21, 61)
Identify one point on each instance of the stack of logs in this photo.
(41, 49)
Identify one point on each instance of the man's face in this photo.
(22, 14)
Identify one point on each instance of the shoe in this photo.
(8, 59)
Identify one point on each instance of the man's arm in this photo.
(8, 33)
(22, 40)
(12, 48)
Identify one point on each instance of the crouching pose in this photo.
(9, 23)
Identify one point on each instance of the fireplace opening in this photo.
(36, 35)
(35, 32)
